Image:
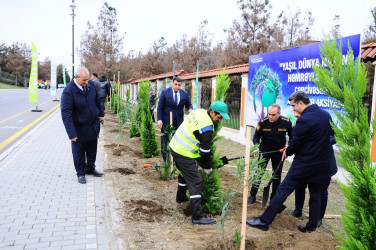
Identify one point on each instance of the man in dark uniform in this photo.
(272, 132)
(82, 114)
(311, 145)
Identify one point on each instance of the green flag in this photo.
(64, 80)
(33, 82)
(194, 91)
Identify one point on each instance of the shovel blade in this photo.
(265, 195)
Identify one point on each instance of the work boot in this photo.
(203, 221)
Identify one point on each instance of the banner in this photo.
(64, 80)
(33, 81)
(274, 76)
(194, 91)
(53, 77)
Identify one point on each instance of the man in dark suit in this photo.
(172, 99)
(82, 114)
(311, 145)
(300, 191)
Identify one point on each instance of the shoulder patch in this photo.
(285, 119)
(258, 127)
(207, 128)
(266, 118)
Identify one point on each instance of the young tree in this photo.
(148, 138)
(212, 197)
(346, 81)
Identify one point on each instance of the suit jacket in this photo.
(80, 112)
(166, 104)
(311, 145)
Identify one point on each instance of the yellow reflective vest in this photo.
(184, 141)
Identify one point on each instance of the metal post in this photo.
(72, 6)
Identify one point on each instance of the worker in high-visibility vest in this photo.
(192, 140)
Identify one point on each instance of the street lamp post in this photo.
(72, 6)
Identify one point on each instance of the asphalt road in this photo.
(16, 116)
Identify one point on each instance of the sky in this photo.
(48, 23)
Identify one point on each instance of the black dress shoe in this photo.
(203, 221)
(82, 179)
(296, 213)
(251, 200)
(258, 223)
(306, 229)
(96, 173)
(281, 208)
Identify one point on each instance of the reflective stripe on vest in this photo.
(195, 196)
(184, 142)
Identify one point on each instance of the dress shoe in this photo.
(296, 213)
(306, 229)
(82, 179)
(258, 223)
(96, 173)
(251, 200)
(319, 223)
(281, 208)
(203, 221)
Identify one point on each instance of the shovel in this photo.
(226, 160)
(265, 195)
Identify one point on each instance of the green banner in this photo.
(194, 91)
(64, 80)
(33, 82)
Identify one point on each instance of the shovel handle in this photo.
(276, 170)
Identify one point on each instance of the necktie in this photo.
(176, 99)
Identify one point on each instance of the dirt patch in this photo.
(145, 210)
(153, 220)
(123, 171)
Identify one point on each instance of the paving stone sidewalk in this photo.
(41, 203)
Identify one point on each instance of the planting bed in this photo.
(151, 219)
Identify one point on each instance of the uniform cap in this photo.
(221, 108)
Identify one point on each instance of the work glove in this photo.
(206, 170)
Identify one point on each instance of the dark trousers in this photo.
(289, 184)
(103, 99)
(192, 180)
(84, 155)
(276, 159)
(300, 196)
(152, 114)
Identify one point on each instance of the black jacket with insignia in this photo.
(272, 134)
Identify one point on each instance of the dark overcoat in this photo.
(311, 145)
(80, 111)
